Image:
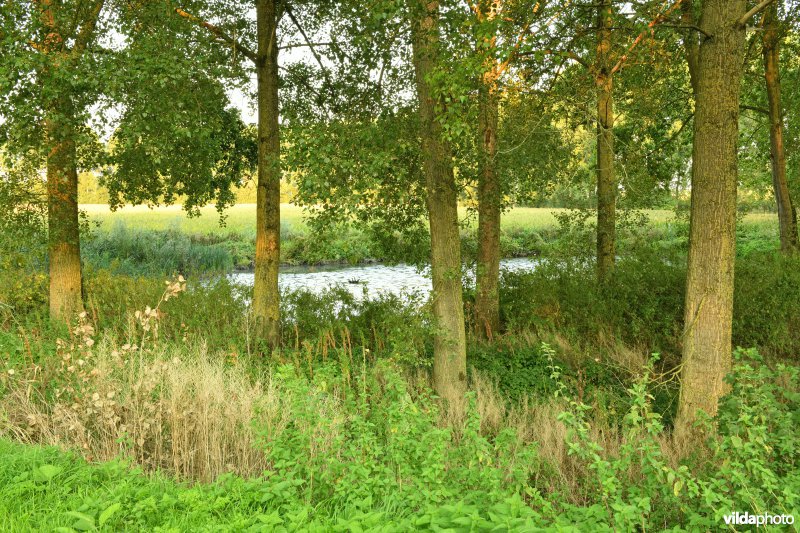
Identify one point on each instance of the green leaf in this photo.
(47, 472)
(108, 513)
(84, 523)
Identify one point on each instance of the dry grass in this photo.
(198, 415)
(184, 411)
(192, 417)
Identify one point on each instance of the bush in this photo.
(767, 303)
(750, 464)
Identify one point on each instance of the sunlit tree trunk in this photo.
(63, 229)
(450, 362)
(64, 253)
(487, 278)
(266, 296)
(709, 284)
(787, 217)
(606, 183)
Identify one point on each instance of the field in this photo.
(241, 218)
(613, 346)
(160, 241)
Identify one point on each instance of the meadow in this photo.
(164, 240)
(241, 218)
(581, 365)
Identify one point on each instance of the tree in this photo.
(602, 67)
(266, 295)
(487, 274)
(787, 216)
(54, 67)
(58, 37)
(606, 183)
(500, 31)
(716, 55)
(450, 359)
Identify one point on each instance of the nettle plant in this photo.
(749, 464)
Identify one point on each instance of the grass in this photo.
(241, 218)
(138, 240)
(369, 449)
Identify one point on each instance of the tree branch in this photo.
(687, 27)
(220, 34)
(87, 28)
(755, 108)
(752, 13)
(304, 45)
(659, 18)
(305, 37)
(562, 53)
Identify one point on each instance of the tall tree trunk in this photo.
(787, 217)
(606, 183)
(64, 251)
(487, 281)
(709, 284)
(266, 296)
(449, 359)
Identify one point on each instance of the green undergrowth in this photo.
(372, 455)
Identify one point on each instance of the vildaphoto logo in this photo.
(764, 519)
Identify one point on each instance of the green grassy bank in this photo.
(138, 240)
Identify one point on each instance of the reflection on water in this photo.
(375, 279)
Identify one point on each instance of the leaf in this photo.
(84, 523)
(677, 487)
(108, 513)
(47, 472)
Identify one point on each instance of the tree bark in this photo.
(63, 238)
(606, 183)
(787, 216)
(266, 295)
(449, 359)
(487, 280)
(709, 284)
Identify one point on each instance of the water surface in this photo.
(374, 279)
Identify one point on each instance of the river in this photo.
(370, 279)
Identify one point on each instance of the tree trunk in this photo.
(449, 359)
(64, 251)
(606, 183)
(709, 284)
(487, 281)
(266, 296)
(787, 217)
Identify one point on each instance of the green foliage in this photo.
(333, 320)
(750, 465)
(767, 303)
(389, 452)
(132, 252)
(362, 451)
(565, 295)
(519, 368)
